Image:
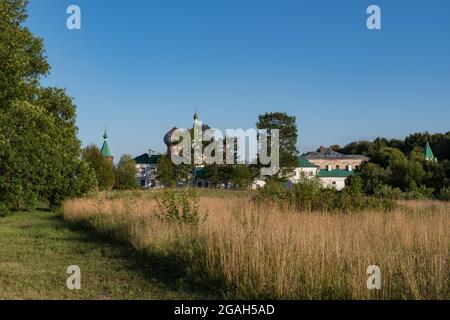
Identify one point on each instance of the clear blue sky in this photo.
(143, 66)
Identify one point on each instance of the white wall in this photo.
(339, 183)
(307, 172)
(257, 184)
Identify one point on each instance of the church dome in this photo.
(168, 138)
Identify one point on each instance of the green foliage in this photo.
(288, 138)
(273, 191)
(242, 176)
(86, 179)
(166, 173)
(213, 174)
(125, 173)
(38, 161)
(309, 195)
(440, 143)
(445, 194)
(22, 60)
(39, 150)
(4, 210)
(388, 192)
(102, 167)
(181, 207)
(401, 165)
(391, 193)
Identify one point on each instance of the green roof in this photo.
(429, 155)
(305, 163)
(334, 173)
(147, 159)
(199, 172)
(105, 148)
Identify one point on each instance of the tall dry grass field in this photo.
(247, 251)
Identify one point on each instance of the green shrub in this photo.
(182, 207)
(309, 195)
(444, 195)
(387, 192)
(4, 210)
(306, 195)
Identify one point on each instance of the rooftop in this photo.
(147, 159)
(305, 163)
(105, 148)
(334, 173)
(429, 155)
(326, 153)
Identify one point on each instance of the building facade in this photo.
(328, 159)
(146, 170)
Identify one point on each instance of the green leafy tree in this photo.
(373, 176)
(125, 173)
(103, 168)
(39, 151)
(242, 176)
(22, 60)
(212, 173)
(288, 138)
(166, 173)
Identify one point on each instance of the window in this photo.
(346, 167)
(337, 167)
(310, 173)
(333, 183)
(142, 183)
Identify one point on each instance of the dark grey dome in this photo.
(168, 138)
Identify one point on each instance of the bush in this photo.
(125, 174)
(182, 207)
(272, 191)
(388, 192)
(309, 195)
(444, 195)
(4, 210)
(305, 195)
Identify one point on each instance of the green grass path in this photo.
(36, 249)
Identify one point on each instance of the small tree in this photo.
(213, 174)
(125, 173)
(242, 176)
(103, 168)
(166, 173)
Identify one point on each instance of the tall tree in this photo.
(39, 150)
(288, 138)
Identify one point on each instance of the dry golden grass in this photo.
(246, 251)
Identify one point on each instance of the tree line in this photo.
(398, 168)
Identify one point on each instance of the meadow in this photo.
(241, 249)
(37, 247)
